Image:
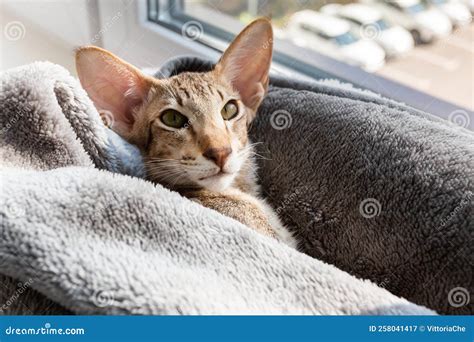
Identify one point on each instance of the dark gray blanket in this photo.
(378, 189)
(76, 239)
(375, 187)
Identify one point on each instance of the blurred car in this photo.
(424, 23)
(333, 37)
(370, 24)
(457, 12)
(469, 4)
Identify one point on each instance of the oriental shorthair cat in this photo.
(192, 128)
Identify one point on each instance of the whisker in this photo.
(177, 179)
(258, 156)
(164, 177)
(160, 160)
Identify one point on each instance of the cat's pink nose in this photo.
(218, 155)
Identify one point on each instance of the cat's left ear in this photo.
(113, 85)
(246, 63)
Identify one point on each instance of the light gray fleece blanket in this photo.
(366, 184)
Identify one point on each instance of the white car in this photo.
(469, 4)
(333, 37)
(457, 12)
(369, 24)
(424, 23)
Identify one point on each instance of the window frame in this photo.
(169, 18)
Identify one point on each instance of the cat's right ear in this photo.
(246, 62)
(112, 84)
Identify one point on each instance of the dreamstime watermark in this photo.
(106, 27)
(46, 330)
(460, 117)
(99, 215)
(293, 301)
(103, 298)
(384, 283)
(281, 119)
(369, 31)
(370, 208)
(13, 210)
(464, 202)
(362, 264)
(288, 200)
(267, 44)
(458, 297)
(283, 299)
(192, 30)
(14, 30)
(12, 120)
(215, 3)
(21, 288)
(180, 132)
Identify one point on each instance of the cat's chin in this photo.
(217, 183)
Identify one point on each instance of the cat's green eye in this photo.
(173, 118)
(230, 110)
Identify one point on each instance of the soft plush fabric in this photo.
(91, 241)
(375, 187)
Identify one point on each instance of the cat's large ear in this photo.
(112, 84)
(246, 63)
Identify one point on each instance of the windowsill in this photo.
(163, 40)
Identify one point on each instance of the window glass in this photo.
(414, 9)
(403, 41)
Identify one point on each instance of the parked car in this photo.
(456, 11)
(370, 24)
(469, 4)
(424, 23)
(333, 37)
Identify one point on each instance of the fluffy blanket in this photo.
(368, 185)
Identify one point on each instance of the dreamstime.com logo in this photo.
(370, 31)
(103, 298)
(370, 207)
(458, 297)
(281, 119)
(13, 119)
(464, 202)
(460, 117)
(192, 30)
(180, 132)
(106, 27)
(295, 301)
(46, 330)
(21, 288)
(13, 210)
(14, 30)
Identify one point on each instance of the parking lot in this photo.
(443, 69)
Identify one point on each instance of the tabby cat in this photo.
(192, 128)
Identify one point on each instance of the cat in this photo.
(192, 129)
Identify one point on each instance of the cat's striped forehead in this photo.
(197, 88)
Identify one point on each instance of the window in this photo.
(311, 29)
(367, 55)
(417, 8)
(345, 39)
(382, 25)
